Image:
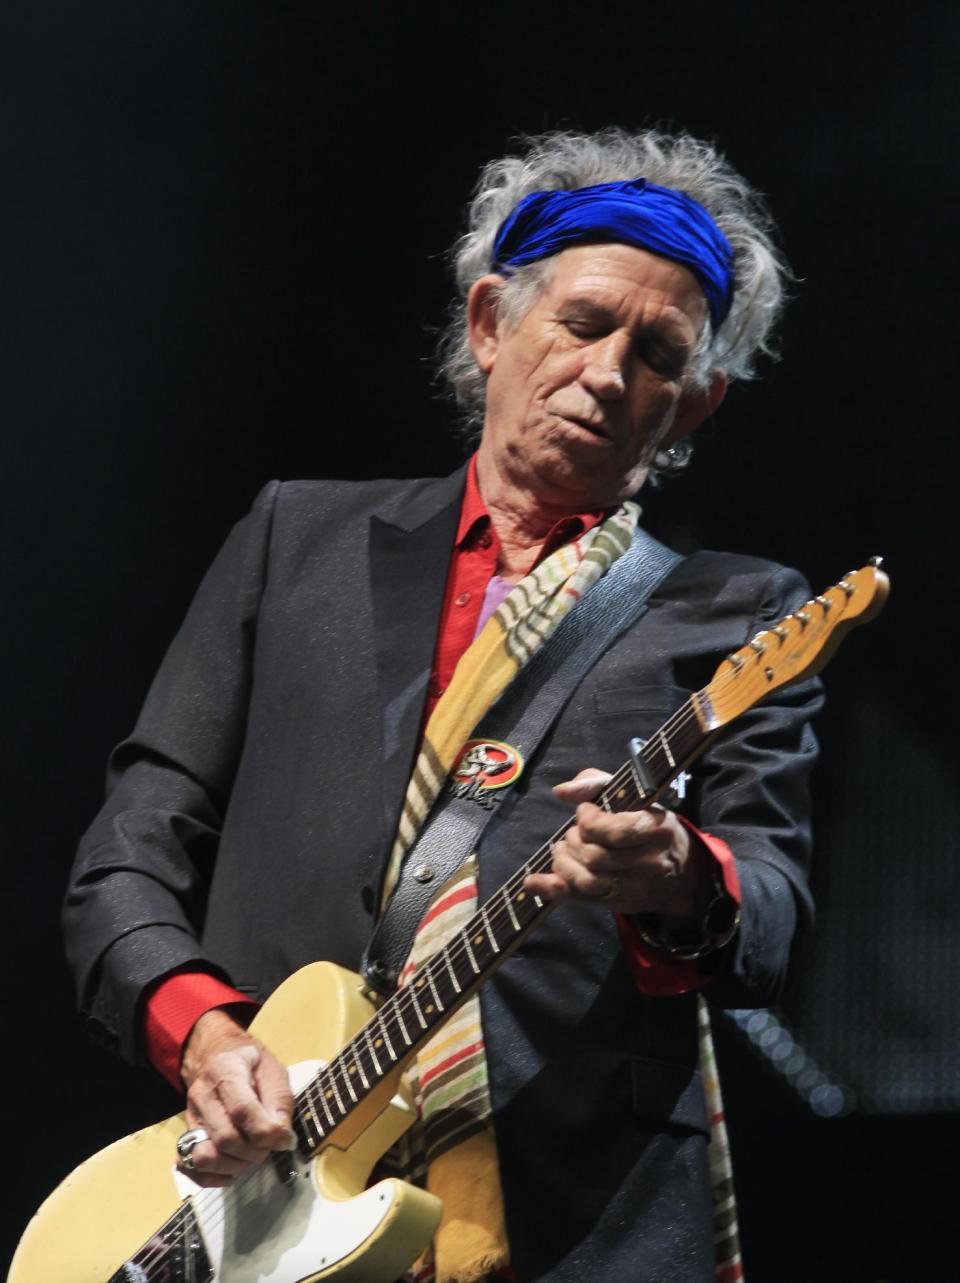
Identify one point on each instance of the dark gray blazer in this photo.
(251, 811)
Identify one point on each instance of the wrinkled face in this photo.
(588, 386)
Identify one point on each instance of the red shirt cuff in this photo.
(172, 1008)
(656, 973)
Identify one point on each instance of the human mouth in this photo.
(595, 427)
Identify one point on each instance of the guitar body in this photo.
(289, 1221)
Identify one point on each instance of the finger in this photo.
(548, 886)
(273, 1087)
(583, 787)
(593, 856)
(226, 1146)
(212, 1168)
(652, 829)
(237, 1089)
(583, 882)
(210, 1165)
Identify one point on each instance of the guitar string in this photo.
(496, 913)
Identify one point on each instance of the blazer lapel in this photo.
(411, 540)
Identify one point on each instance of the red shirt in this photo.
(176, 1002)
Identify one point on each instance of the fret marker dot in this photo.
(429, 1008)
(421, 983)
(378, 1042)
(621, 793)
(353, 1069)
(328, 1094)
(477, 939)
(522, 895)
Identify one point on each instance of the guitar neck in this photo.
(433, 993)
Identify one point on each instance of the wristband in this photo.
(720, 924)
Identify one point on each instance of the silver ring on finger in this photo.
(186, 1144)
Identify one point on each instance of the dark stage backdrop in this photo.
(223, 238)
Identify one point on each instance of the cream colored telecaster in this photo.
(128, 1215)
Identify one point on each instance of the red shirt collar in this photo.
(475, 517)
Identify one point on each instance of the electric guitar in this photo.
(128, 1215)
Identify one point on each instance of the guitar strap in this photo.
(522, 716)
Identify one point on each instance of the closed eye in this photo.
(585, 329)
(663, 358)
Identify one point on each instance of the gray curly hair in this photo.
(567, 160)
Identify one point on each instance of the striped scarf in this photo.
(449, 1080)
(728, 1266)
(453, 1150)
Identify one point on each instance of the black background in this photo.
(222, 259)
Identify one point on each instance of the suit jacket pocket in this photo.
(622, 712)
(668, 1095)
(659, 700)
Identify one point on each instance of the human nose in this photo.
(603, 368)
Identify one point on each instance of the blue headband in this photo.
(659, 219)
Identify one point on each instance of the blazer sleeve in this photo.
(136, 899)
(753, 792)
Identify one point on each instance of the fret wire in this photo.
(336, 1095)
(460, 959)
(325, 1106)
(368, 1064)
(337, 1066)
(416, 1006)
(479, 938)
(508, 900)
(449, 965)
(308, 1136)
(373, 1054)
(363, 1077)
(486, 922)
(348, 1083)
(433, 989)
(665, 746)
(386, 1036)
(403, 1027)
(311, 1106)
(321, 1092)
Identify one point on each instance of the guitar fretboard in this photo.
(415, 1012)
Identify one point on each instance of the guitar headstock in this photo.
(798, 646)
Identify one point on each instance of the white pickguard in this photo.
(265, 1231)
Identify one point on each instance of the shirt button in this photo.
(486, 539)
(463, 598)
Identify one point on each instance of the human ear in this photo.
(695, 407)
(482, 308)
